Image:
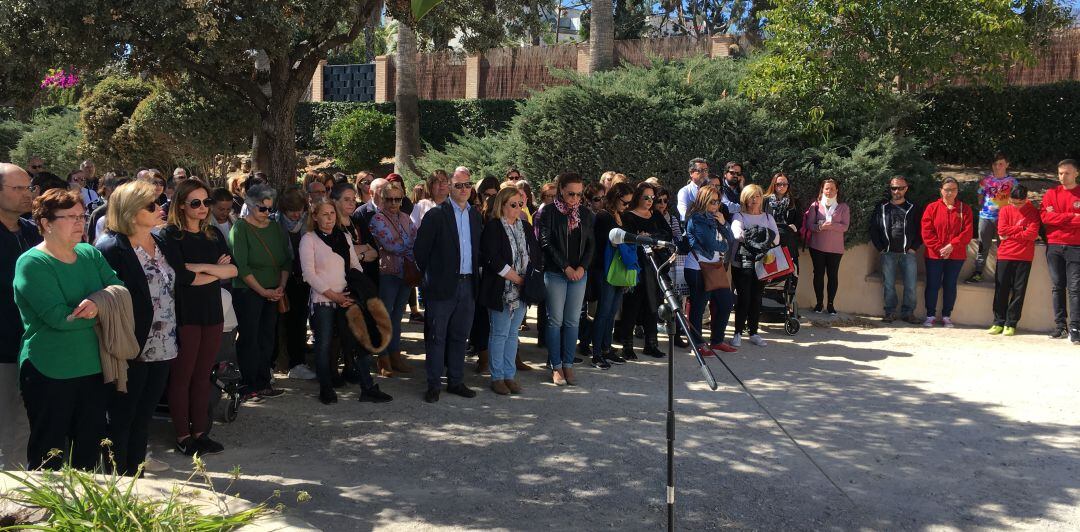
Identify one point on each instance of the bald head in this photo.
(16, 195)
(11, 170)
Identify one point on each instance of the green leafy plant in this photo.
(361, 139)
(10, 133)
(53, 135)
(75, 500)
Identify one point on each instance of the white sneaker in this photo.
(757, 340)
(301, 372)
(946, 322)
(736, 340)
(153, 465)
(929, 322)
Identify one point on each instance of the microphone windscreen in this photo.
(616, 236)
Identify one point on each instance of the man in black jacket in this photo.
(16, 236)
(447, 251)
(894, 230)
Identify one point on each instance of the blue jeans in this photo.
(324, 319)
(604, 324)
(564, 300)
(941, 274)
(908, 265)
(503, 341)
(722, 300)
(394, 294)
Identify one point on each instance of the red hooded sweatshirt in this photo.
(1061, 214)
(942, 225)
(1018, 227)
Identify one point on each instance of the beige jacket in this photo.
(115, 329)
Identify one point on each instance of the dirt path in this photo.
(922, 428)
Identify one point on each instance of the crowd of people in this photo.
(128, 288)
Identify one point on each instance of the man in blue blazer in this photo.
(447, 251)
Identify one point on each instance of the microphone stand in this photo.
(674, 316)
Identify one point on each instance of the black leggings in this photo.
(747, 300)
(825, 263)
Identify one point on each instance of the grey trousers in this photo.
(987, 234)
(15, 428)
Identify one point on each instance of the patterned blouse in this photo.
(160, 277)
(396, 239)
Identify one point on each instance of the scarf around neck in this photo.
(337, 242)
(571, 213)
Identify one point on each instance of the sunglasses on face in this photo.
(264, 208)
(196, 203)
(714, 202)
(515, 205)
(151, 207)
(897, 188)
(624, 202)
(661, 201)
(699, 171)
(596, 199)
(393, 200)
(463, 186)
(648, 198)
(736, 174)
(781, 184)
(37, 166)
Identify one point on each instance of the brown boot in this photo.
(514, 387)
(384, 366)
(520, 364)
(399, 363)
(482, 362)
(500, 388)
(568, 373)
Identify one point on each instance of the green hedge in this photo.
(1033, 125)
(440, 120)
(360, 139)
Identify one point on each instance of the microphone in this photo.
(618, 236)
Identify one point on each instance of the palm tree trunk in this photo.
(601, 36)
(407, 115)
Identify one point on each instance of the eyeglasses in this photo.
(736, 174)
(393, 200)
(897, 188)
(699, 170)
(573, 194)
(515, 205)
(264, 208)
(463, 185)
(31, 189)
(76, 217)
(648, 198)
(151, 207)
(624, 202)
(196, 203)
(781, 184)
(597, 198)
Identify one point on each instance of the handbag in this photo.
(619, 275)
(714, 275)
(283, 303)
(775, 263)
(534, 291)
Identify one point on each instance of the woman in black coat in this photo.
(509, 250)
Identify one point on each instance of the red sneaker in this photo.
(724, 347)
(705, 350)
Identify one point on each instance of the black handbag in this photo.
(534, 291)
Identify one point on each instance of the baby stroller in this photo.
(225, 375)
(778, 304)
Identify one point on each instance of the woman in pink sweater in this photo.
(827, 219)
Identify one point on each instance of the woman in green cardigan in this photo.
(60, 367)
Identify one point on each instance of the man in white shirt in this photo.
(699, 176)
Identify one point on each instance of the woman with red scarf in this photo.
(566, 236)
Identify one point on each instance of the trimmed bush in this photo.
(10, 133)
(1033, 125)
(361, 139)
(54, 136)
(484, 155)
(440, 120)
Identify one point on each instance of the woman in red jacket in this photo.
(1018, 227)
(946, 231)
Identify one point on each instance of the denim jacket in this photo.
(701, 232)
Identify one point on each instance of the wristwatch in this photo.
(361, 256)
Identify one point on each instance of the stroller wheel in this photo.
(792, 326)
(234, 407)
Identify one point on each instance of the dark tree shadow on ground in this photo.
(592, 457)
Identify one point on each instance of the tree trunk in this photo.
(407, 115)
(601, 36)
(274, 145)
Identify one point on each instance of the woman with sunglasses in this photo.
(780, 203)
(263, 263)
(662, 208)
(710, 240)
(616, 201)
(153, 272)
(640, 304)
(59, 362)
(199, 316)
(566, 235)
(396, 235)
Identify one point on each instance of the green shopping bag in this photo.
(618, 274)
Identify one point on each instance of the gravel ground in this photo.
(921, 428)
